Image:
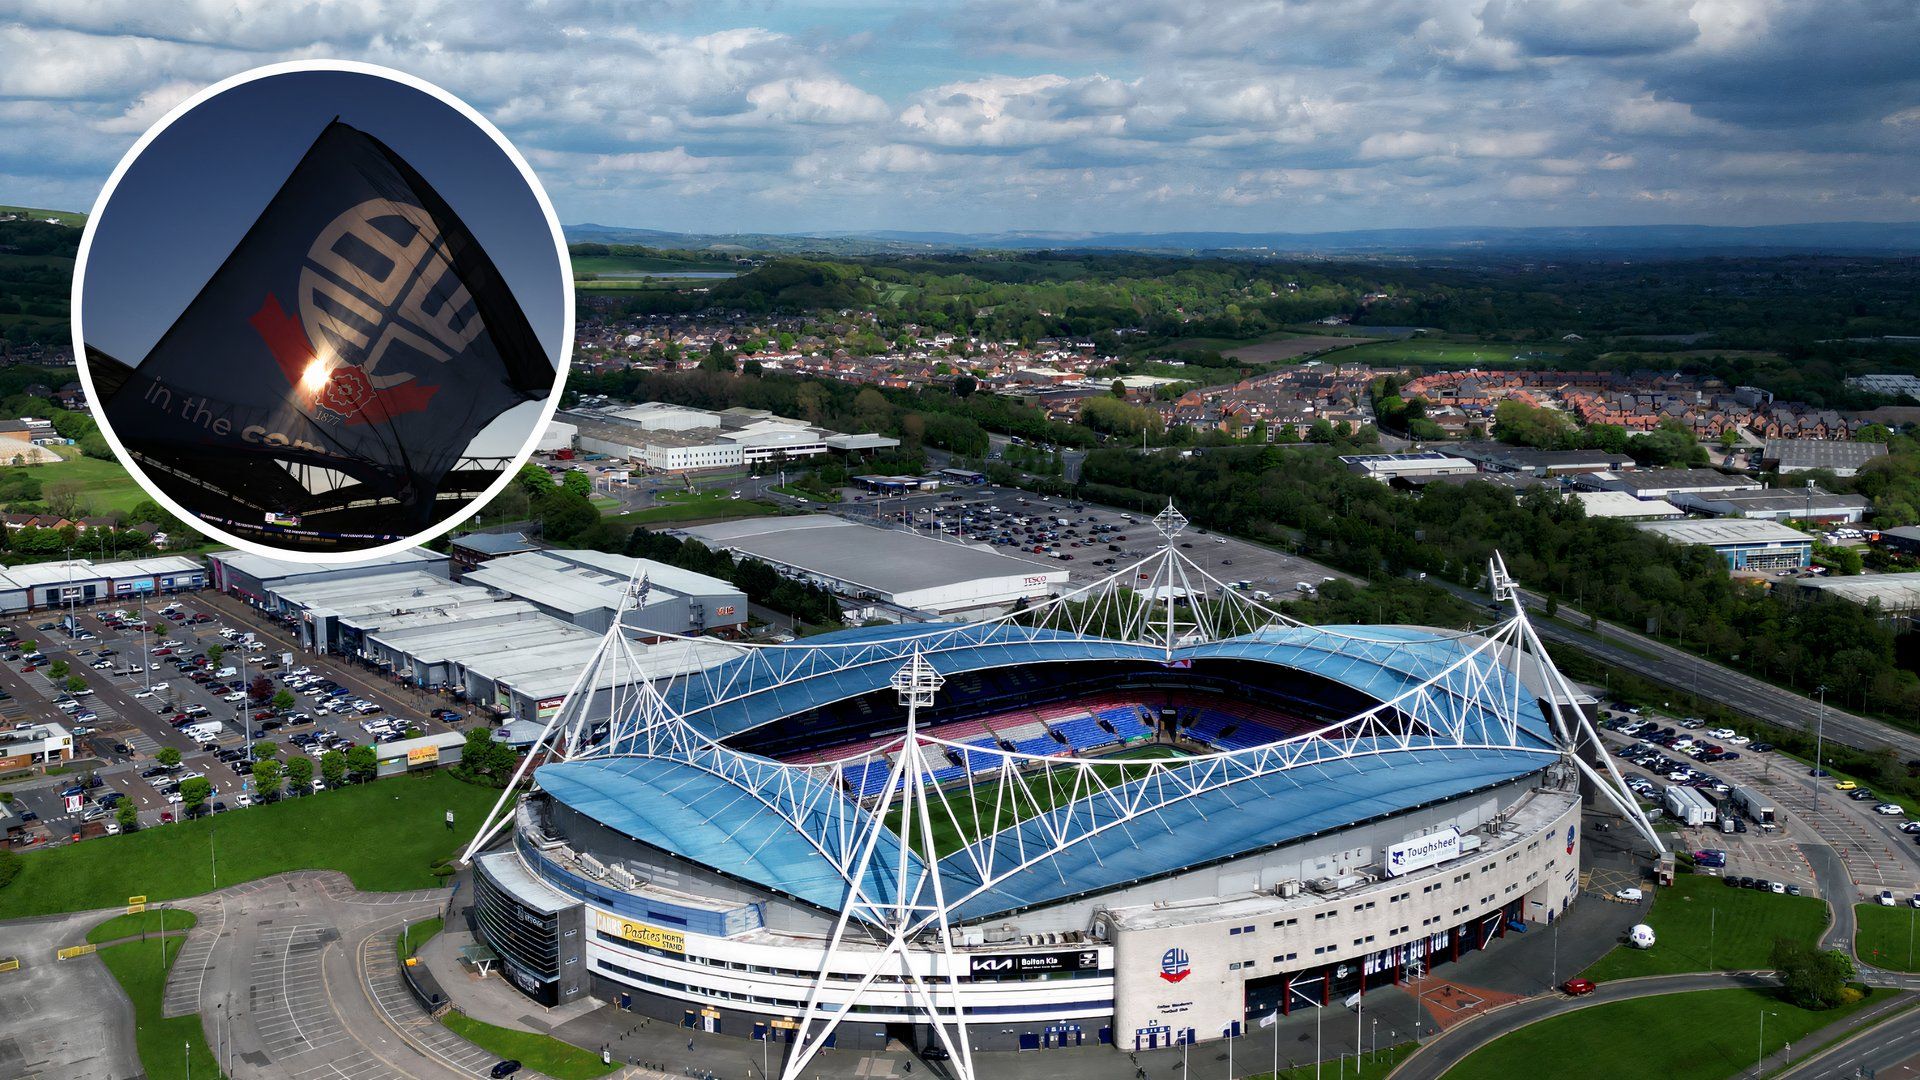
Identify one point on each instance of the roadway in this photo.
(1705, 679)
(1888, 1050)
(1435, 1059)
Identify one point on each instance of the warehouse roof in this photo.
(1804, 454)
(1620, 504)
(1726, 531)
(1667, 480)
(1778, 500)
(1895, 593)
(59, 573)
(579, 581)
(495, 543)
(264, 568)
(884, 561)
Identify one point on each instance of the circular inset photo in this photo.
(323, 311)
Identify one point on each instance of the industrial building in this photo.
(586, 588)
(895, 573)
(1745, 544)
(254, 578)
(35, 586)
(677, 438)
(1619, 504)
(1500, 457)
(1839, 457)
(1665, 483)
(1388, 468)
(474, 548)
(1892, 594)
(1778, 504)
(558, 435)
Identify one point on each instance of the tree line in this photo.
(1304, 497)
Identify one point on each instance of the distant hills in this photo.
(1845, 237)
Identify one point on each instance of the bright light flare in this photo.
(315, 377)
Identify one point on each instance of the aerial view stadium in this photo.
(1151, 812)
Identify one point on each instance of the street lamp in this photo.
(1819, 747)
(1760, 1057)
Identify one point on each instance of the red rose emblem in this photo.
(347, 391)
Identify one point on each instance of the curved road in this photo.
(1876, 1051)
(1433, 1061)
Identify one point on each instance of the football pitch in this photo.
(960, 812)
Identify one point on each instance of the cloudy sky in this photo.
(1120, 115)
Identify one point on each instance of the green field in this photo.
(64, 217)
(540, 1053)
(168, 1048)
(383, 835)
(978, 815)
(105, 486)
(1888, 937)
(701, 506)
(1700, 924)
(643, 264)
(1421, 350)
(1704, 1035)
(150, 921)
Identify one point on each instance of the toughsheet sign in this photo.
(357, 327)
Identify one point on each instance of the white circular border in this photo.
(194, 521)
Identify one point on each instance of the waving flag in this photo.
(358, 333)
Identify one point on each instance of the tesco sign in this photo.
(1422, 851)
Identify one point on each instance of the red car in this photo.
(163, 652)
(1577, 987)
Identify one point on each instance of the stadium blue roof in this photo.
(767, 684)
(1248, 816)
(704, 818)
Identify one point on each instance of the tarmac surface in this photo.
(62, 1018)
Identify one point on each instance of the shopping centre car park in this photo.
(1016, 521)
(133, 709)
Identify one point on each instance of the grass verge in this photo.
(384, 835)
(408, 941)
(150, 921)
(1700, 924)
(1375, 1064)
(1888, 937)
(541, 1053)
(1703, 1035)
(167, 1048)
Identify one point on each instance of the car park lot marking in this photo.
(189, 972)
(360, 1064)
(287, 991)
(380, 971)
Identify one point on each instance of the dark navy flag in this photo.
(357, 327)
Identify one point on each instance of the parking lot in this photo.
(149, 685)
(1094, 541)
(1872, 846)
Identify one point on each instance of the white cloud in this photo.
(1090, 114)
